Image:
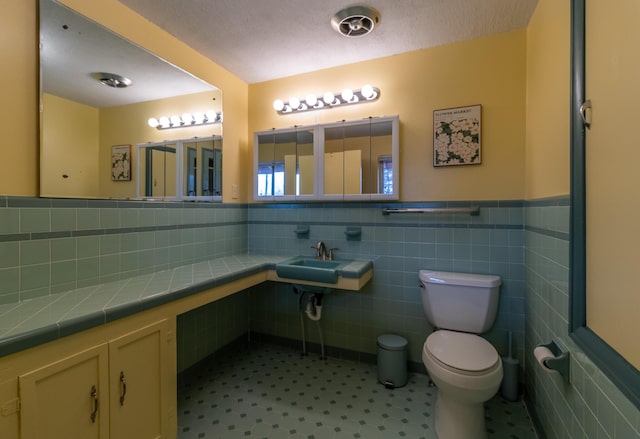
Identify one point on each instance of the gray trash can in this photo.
(392, 360)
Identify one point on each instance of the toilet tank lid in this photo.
(464, 279)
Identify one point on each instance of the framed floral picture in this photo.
(456, 136)
(121, 162)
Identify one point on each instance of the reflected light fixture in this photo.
(347, 96)
(112, 79)
(186, 120)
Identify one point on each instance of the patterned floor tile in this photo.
(264, 391)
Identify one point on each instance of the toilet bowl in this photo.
(465, 367)
(467, 371)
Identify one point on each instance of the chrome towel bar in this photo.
(474, 210)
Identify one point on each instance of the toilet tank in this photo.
(460, 301)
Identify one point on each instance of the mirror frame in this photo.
(622, 373)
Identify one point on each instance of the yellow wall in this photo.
(19, 98)
(548, 99)
(70, 142)
(488, 71)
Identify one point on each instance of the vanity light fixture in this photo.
(186, 120)
(312, 102)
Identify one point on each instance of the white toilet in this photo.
(465, 367)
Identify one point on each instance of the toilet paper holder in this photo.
(559, 362)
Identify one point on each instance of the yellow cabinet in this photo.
(117, 390)
(138, 377)
(66, 399)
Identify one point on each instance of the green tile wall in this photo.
(204, 330)
(49, 246)
(400, 245)
(590, 406)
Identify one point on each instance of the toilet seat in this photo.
(462, 353)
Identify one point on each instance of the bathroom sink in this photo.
(309, 269)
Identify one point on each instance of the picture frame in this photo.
(121, 163)
(457, 136)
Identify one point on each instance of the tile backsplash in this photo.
(400, 245)
(53, 245)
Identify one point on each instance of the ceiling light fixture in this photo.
(355, 21)
(112, 80)
(347, 96)
(186, 120)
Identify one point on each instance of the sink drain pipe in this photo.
(314, 307)
(313, 310)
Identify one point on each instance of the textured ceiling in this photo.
(259, 40)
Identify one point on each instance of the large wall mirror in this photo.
(88, 119)
(604, 201)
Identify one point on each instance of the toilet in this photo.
(465, 367)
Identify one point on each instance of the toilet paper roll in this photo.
(542, 354)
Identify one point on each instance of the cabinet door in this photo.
(67, 399)
(138, 367)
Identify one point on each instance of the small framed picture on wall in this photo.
(456, 136)
(121, 162)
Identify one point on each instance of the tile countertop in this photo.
(32, 322)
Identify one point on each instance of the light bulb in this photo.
(347, 94)
(176, 121)
(211, 116)
(165, 122)
(278, 105)
(312, 100)
(198, 117)
(328, 98)
(153, 122)
(368, 92)
(187, 118)
(294, 102)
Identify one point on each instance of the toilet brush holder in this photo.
(509, 388)
(510, 366)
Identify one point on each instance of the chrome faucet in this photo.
(324, 253)
(321, 251)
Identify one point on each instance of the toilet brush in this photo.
(509, 388)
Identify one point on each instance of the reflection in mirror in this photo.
(185, 169)
(358, 158)
(381, 164)
(285, 163)
(203, 168)
(334, 160)
(304, 171)
(268, 172)
(158, 171)
(82, 118)
(284, 159)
